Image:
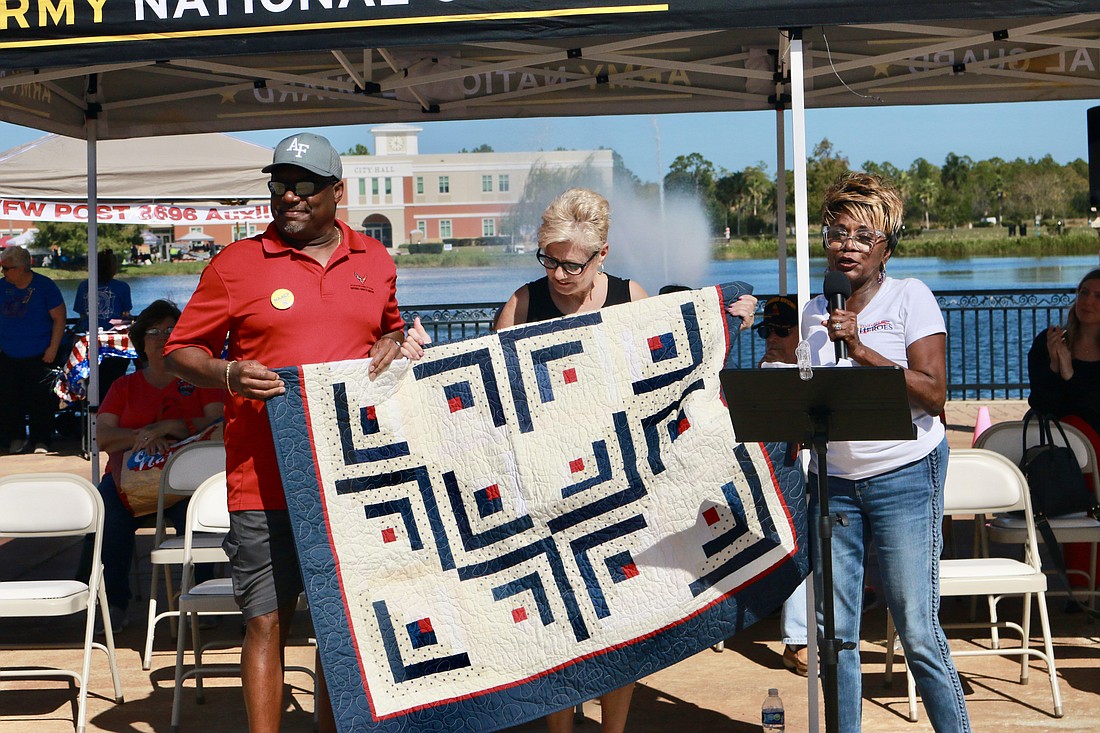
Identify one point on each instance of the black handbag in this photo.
(1057, 487)
(1054, 477)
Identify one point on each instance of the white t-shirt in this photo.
(901, 313)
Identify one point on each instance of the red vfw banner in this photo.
(150, 214)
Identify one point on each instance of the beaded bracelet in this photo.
(228, 366)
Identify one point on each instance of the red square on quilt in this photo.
(569, 375)
(519, 614)
(576, 465)
(711, 516)
(630, 570)
(683, 425)
(388, 535)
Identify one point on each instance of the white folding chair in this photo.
(984, 482)
(57, 505)
(183, 473)
(208, 512)
(1006, 438)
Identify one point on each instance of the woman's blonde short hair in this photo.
(579, 216)
(867, 198)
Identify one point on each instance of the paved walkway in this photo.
(711, 691)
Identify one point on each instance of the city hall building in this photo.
(400, 196)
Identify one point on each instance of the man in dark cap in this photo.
(779, 330)
(307, 290)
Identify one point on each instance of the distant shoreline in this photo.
(946, 244)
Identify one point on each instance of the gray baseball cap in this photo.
(309, 151)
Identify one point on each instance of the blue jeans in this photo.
(901, 511)
(119, 529)
(792, 621)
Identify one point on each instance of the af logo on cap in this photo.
(297, 148)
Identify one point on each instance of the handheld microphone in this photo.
(837, 288)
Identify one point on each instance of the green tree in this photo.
(690, 174)
(924, 188)
(622, 178)
(823, 168)
(357, 149)
(694, 176)
(954, 204)
(887, 171)
(1044, 189)
(483, 148)
(729, 191)
(985, 189)
(749, 195)
(71, 238)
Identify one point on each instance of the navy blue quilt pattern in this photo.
(520, 522)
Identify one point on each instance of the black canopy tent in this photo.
(155, 67)
(177, 66)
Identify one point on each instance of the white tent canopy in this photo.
(196, 237)
(174, 168)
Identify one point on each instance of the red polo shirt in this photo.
(282, 308)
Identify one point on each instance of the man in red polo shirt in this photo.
(307, 290)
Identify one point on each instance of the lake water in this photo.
(440, 285)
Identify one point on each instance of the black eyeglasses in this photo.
(301, 189)
(862, 239)
(570, 268)
(780, 331)
(154, 332)
(5, 268)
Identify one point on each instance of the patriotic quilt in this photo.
(72, 379)
(523, 521)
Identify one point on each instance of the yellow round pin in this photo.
(282, 299)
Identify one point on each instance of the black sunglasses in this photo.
(301, 189)
(159, 331)
(780, 331)
(570, 268)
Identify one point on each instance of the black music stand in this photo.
(860, 403)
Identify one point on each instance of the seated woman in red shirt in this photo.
(148, 409)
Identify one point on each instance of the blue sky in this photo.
(734, 140)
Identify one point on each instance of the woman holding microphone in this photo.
(890, 491)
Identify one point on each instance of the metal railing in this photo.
(989, 334)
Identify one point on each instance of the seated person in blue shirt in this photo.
(113, 309)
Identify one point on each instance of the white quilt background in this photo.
(643, 549)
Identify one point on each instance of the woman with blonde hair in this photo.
(572, 249)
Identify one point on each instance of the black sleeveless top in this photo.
(540, 306)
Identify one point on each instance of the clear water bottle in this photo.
(771, 713)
